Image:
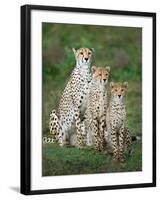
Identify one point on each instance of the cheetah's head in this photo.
(83, 56)
(118, 90)
(100, 74)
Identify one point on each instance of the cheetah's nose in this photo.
(86, 59)
(104, 79)
(119, 95)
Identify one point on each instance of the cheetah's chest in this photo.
(97, 98)
(118, 116)
(74, 97)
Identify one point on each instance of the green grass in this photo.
(119, 47)
(66, 161)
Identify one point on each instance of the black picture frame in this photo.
(26, 98)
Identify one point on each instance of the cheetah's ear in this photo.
(108, 68)
(74, 50)
(125, 84)
(93, 69)
(111, 84)
(92, 49)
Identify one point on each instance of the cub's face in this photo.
(101, 74)
(118, 90)
(83, 55)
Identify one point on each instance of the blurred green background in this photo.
(118, 47)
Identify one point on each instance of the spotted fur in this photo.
(117, 132)
(96, 107)
(73, 101)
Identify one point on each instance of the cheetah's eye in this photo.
(122, 90)
(116, 90)
(81, 53)
(89, 53)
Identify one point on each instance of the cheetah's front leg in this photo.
(114, 143)
(97, 138)
(102, 125)
(121, 138)
(80, 133)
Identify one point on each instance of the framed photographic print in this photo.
(88, 99)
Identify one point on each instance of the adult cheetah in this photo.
(73, 101)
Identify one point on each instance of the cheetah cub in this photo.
(117, 132)
(96, 107)
(73, 101)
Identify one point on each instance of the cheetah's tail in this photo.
(53, 114)
(54, 123)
